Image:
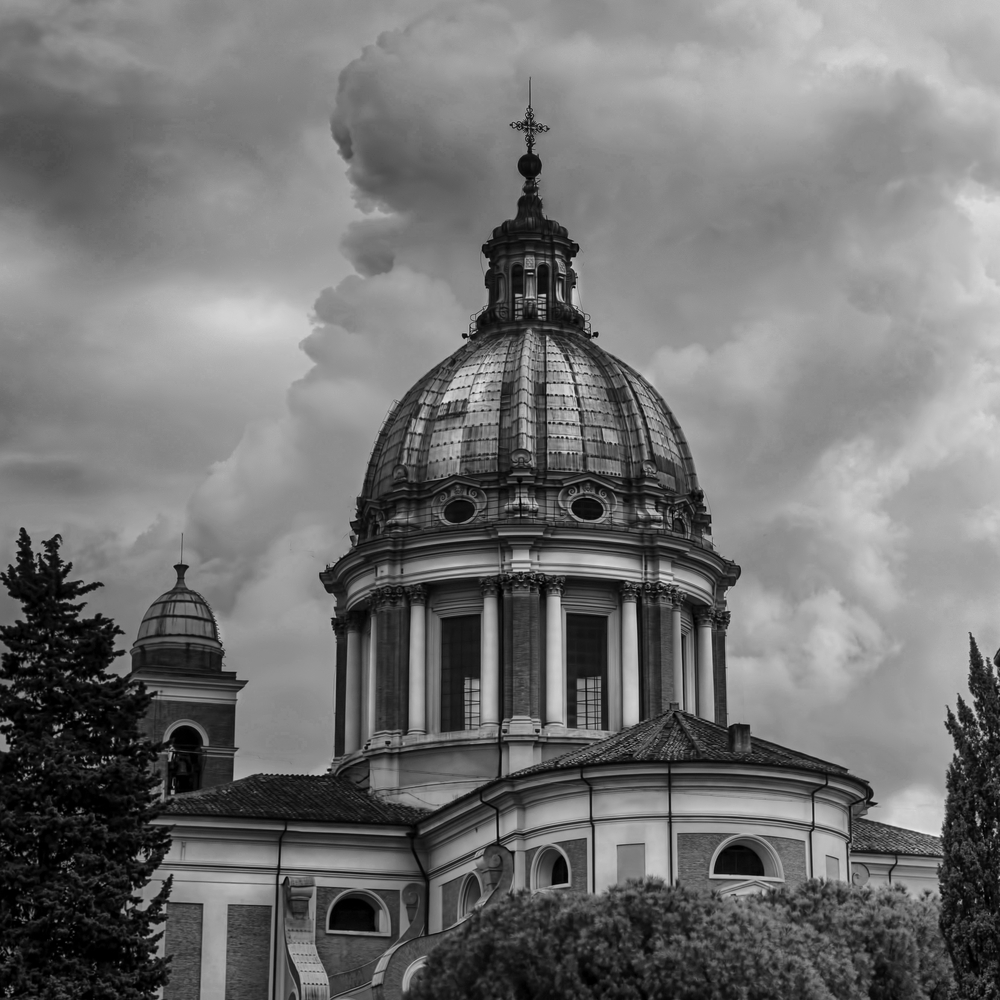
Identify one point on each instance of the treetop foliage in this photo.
(819, 941)
(970, 871)
(77, 794)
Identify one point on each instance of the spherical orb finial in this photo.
(530, 165)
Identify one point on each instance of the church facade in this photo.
(529, 678)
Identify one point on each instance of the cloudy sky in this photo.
(790, 223)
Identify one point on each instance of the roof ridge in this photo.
(682, 722)
(654, 732)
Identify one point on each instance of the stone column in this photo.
(417, 722)
(555, 662)
(721, 623)
(630, 655)
(352, 684)
(391, 660)
(489, 663)
(706, 679)
(339, 685)
(677, 641)
(522, 652)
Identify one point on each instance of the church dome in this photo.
(542, 396)
(179, 629)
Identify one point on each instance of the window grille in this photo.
(587, 671)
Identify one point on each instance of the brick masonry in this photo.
(719, 675)
(182, 943)
(793, 858)
(341, 953)
(695, 850)
(522, 651)
(392, 673)
(340, 696)
(248, 952)
(449, 901)
(577, 854)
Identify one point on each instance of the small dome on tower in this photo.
(179, 630)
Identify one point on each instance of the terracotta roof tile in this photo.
(880, 838)
(323, 798)
(679, 736)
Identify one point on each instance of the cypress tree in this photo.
(77, 793)
(970, 872)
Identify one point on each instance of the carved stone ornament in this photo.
(339, 626)
(704, 615)
(629, 591)
(490, 585)
(522, 581)
(593, 490)
(529, 262)
(521, 458)
(400, 474)
(721, 618)
(417, 593)
(459, 491)
(523, 502)
(676, 597)
(354, 620)
(387, 597)
(656, 591)
(554, 584)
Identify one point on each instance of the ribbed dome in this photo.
(551, 398)
(180, 613)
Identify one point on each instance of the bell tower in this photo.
(178, 654)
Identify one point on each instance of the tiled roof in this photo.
(678, 736)
(554, 394)
(324, 798)
(880, 838)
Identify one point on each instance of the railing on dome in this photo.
(529, 309)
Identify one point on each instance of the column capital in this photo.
(704, 615)
(387, 597)
(417, 593)
(522, 581)
(490, 585)
(339, 626)
(354, 620)
(554, 584)
(629, 591)
(654, 590)
(721, 619)
(676, 596)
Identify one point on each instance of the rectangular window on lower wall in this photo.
(587, 671)
(460, 672)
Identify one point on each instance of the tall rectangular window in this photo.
(587, 671)
(460, 664)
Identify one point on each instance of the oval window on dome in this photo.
(459, 511)
(587, 509)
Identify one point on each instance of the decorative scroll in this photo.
(522, 581)
(490, 585)
(554, 584)
(495, 868)
(630, 591)
(301, 973)
(417, 593)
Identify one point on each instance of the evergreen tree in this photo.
(76, 800)
(970, 872)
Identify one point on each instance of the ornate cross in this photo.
(528, 125)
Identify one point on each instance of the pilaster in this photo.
(522, 652)
(720, 623)
(391, 659)
(339, 626)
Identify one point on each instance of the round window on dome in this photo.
(459, 511)
(587, 509)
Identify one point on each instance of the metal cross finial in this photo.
(528, 125)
